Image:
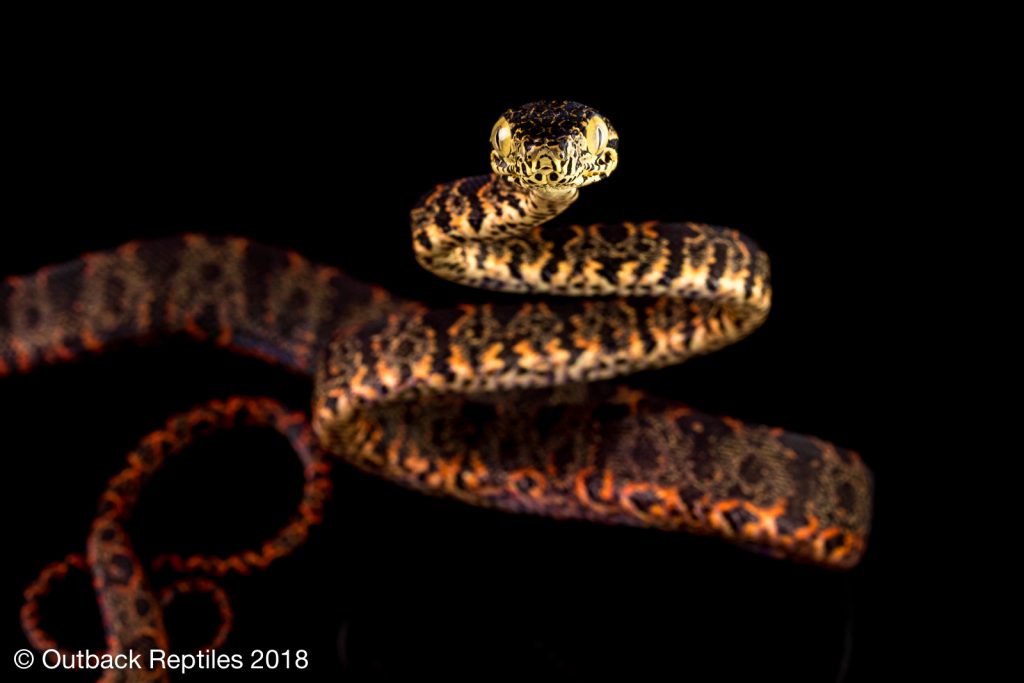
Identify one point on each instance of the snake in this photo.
(512, 404)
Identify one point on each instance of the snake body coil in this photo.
(495, 405)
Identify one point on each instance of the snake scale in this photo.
(498, 405)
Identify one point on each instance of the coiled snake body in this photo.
(495, 405)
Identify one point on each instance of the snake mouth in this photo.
(548, 166)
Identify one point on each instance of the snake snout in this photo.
(546, 165)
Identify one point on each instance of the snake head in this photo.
(553, 146)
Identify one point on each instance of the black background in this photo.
(325, 154)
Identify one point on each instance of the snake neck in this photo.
(548, 202)
(481, 210)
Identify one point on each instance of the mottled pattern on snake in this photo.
(495, 405)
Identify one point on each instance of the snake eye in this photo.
(501, 137)
(597, 135)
